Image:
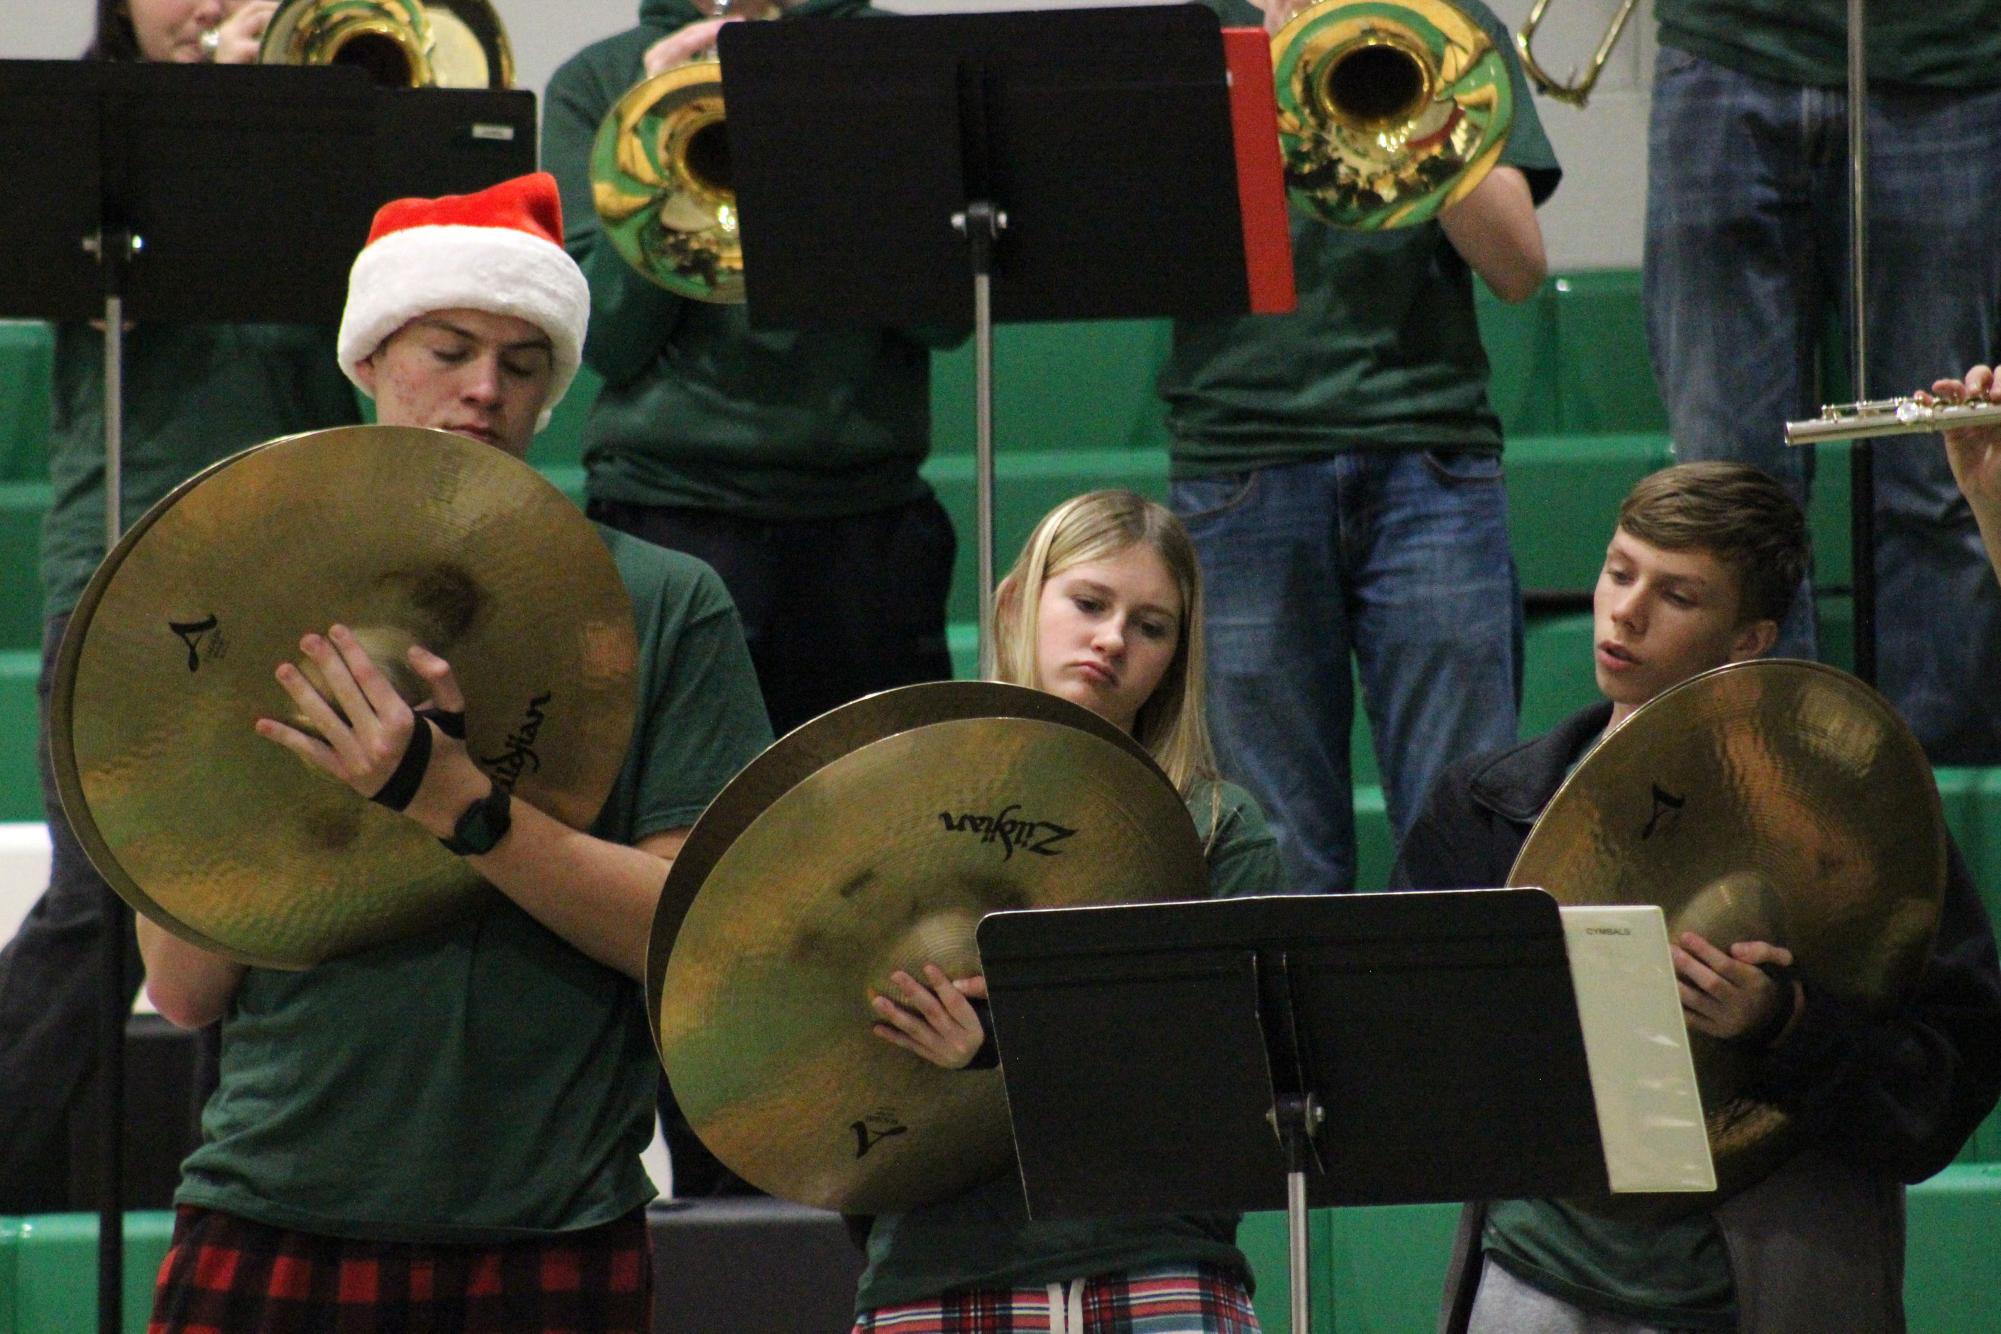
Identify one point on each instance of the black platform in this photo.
(756, 1264)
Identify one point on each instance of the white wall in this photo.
(1594, 221)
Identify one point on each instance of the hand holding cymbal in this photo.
(402, 536)
(362, 727)
(933, 1019)
(1770, 803)
(1726, 994)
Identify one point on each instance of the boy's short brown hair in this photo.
(1735, 512)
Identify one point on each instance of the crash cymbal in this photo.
(820, 741)
(884, 858)
(1769, 800)
(406, 535)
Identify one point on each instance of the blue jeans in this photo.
(1746, 252)
(1399, 558)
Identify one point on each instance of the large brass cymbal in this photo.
(887, 857)
(1769, 800)
(820, 741)
(406, 535)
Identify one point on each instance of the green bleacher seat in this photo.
(26, 351)
(20, 783)
(48, 1271)
(1057, 387)
(1563, 491)
(22, 505)
(1604, 381)
(1522, 357)
(1381, 1270)
(1954, 1251)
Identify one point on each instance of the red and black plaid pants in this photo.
(1174, 1299)
(227, 1275)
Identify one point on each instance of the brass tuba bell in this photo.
(1387, 112)
(660, 178)
(400, 43)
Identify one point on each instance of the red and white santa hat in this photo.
(500, 251)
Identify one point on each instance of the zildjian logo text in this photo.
(518, 754)
(190, 633)
(873, 1129)
(1038, 836)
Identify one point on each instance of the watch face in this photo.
(484, 824)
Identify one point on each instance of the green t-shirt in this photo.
(1937, 44)
(1382, 353)
(484, 1081)
(985, 1239)
(698, 409)
(194, 394)
(1674, 1274)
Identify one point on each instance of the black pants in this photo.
(49, 1000)
(833, 609)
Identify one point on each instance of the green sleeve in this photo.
(1241, 851)
(1528, 148)
(705, 717)
(632, 319)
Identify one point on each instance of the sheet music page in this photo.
(1636, 1043)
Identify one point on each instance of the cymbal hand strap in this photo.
(988, 1056)
(402, 786)
(1765, 1034)
(409, 776)
(452, 722)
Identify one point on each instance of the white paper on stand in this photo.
(1636, 1043)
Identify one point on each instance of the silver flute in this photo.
(1890, 416)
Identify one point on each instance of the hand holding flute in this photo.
(1974, 450)
(1966, 410)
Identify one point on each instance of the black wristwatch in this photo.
(483, 824)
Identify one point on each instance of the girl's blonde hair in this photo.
(1172, 724)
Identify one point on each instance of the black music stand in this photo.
(1278, 1052)
(190, 194)
(949, 169)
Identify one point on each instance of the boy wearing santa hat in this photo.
(444, 1131)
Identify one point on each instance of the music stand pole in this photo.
(981, 224)
(874, 164)
(114, 248)
(1861, 456)
(1297, 1117)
